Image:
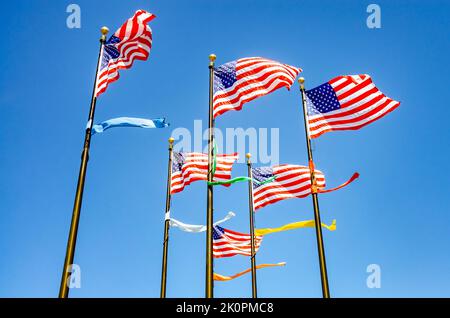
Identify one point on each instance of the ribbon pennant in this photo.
(223, 278)
(234, 180)
(193, 228)
(240, 179)
(129, 122)
(293, 226)
(353, 178)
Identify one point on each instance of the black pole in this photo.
(72, 240)
(315, 199)
(209, 288)
(167, 222)
(252, 226)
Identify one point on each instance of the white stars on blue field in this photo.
(177, 162)
(224, 76)
(260, 175)
(321, 99)
(110, 51)
(217, 232)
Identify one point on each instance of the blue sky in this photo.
(395, 215)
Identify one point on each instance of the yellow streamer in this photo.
(293, 226)
(223, 278)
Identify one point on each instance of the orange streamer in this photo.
(222, 278)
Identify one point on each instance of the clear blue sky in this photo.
(396, 215)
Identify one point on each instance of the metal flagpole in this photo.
(252, 226)
(209, 288)
(167, 222)
(315, 199)
(72, 240)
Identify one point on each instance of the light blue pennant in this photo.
(129, 122)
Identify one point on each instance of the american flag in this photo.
(241, 81)
(346, 103)
(132, 41)
(228, 243)
(188, 167)
(291, 181)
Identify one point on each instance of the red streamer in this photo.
(353, 178)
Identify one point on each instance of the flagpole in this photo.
(209, 288)
(167, 222)
(71, 242)
(315, 199)
(252, 226)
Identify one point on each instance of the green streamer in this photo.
(234, 180)
(240, 179)
(214, 163)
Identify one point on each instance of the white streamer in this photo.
(192, 228)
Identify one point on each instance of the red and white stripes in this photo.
(254, 77)
(291, 181)
(135, 43)
(361, 103)
(229, 243)
(194, 167)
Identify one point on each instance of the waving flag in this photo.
(188, 167)
(291, 181)
(346, 103)
(228, 243)
(238, 82)
(132, 41)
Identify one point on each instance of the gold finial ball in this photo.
(171, 140)
(301, 80)
(249, 155)
(212, 57)
(104, 30)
